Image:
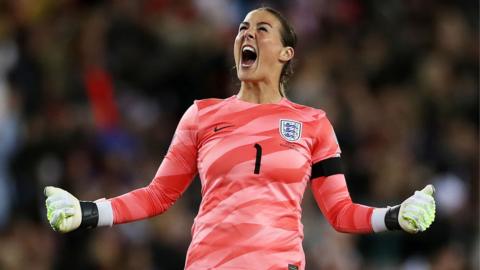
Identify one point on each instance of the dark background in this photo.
(91, 92)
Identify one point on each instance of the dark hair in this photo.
(289, 38)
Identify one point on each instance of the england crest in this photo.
(290, 130)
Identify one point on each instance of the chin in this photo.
(247, 76)
(243, 77)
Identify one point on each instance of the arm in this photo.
(65, 213)
(172, 178)
(334, 201)
(331, 193)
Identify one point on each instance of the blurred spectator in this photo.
(9, 126)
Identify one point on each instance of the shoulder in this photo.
(201, 108)
(209, 102)
(307, 110)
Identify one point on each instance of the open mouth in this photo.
(249, 56)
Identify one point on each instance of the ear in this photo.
(287, 54)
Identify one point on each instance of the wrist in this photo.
(385, 219)
(89, 215)
(95, 214)
(391, 218)
(378, 220)
(105, 213)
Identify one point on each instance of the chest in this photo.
(274, 146)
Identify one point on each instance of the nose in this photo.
(248, 34)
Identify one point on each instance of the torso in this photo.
(254, 161)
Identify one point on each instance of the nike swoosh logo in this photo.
(216, 129)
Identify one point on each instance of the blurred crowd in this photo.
(91, 92)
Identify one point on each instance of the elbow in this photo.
(160, 197)
(340, 218)
(345, 223)
(337, 226)
(341, 229)
(335, 222)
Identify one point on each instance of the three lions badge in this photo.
(290, 130)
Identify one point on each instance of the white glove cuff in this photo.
(105, 213)
(378, 220)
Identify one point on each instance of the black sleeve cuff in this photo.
(89, 215)
(391, 218)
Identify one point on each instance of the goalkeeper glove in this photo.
(66, 213)
(415, 214)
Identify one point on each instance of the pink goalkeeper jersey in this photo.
(254, 162)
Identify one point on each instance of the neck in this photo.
(258, 92)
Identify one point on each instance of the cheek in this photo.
(236, 46)
(270, 50)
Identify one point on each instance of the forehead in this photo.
(256, 16)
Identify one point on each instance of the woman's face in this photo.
(258, 50)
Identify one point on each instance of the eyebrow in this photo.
(259, 23)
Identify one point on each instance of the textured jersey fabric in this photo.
(254, 162)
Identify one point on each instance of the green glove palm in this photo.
(417, 212)
(63, 210)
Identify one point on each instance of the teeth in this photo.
(248, 48)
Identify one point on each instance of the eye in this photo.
(263, 28)
(242, 27)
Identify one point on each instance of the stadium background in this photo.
(91, 91)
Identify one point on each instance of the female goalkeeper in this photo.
(255, 153)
